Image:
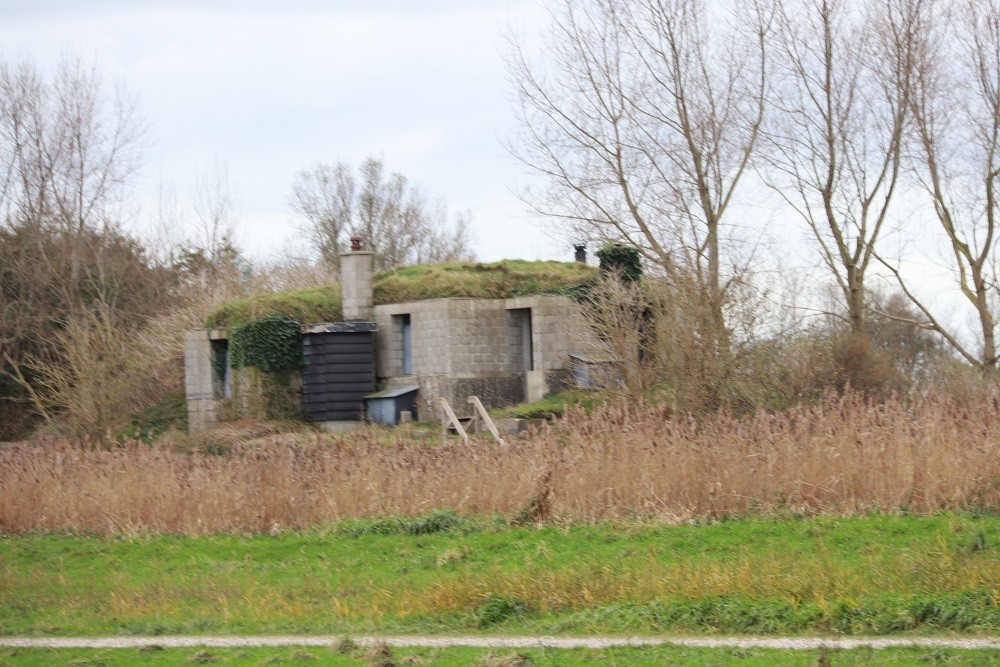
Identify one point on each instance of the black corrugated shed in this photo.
(339, 372)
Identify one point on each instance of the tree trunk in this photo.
(989, 364)
(856, 300)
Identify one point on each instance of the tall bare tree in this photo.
(215, 214)
(956, 139)
(642, 119)
(324, 196)
(69, 146)
(398, 222)
(841, 108)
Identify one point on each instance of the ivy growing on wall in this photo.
(621, 259)
(271, 344)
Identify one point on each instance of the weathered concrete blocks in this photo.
(482, 339)
(356, 270)
(199, 380)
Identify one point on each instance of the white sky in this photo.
(266, 89)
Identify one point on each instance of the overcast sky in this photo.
(268, 88)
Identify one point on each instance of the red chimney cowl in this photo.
(356, 242)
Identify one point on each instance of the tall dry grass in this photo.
(844, 455)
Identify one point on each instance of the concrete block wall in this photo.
(429, 322)
(394, 352)
(474, 345)
(479, 337)
(557, 328)
(515, 338)
(494, 389)
(199, 380)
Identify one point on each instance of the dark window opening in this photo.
(403, 343)
(222, 374)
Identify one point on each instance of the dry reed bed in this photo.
(843, 455)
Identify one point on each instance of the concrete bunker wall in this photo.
(456, 348)
(199, 380)
(461, 347)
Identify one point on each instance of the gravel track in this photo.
(795, 643)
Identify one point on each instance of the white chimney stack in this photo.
(356, 268)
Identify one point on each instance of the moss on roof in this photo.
(497, 280)
(317, 304)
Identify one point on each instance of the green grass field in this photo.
(462, 657)
(864, 575)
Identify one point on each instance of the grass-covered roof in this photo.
(497, 280)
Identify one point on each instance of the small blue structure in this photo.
(595, 372)
(385, 407)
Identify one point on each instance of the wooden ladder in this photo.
(481, 414)
(448, 417)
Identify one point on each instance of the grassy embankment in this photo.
(498, 280)
(463, 657)
(441, 573)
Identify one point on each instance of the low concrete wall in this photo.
(199, 381)
(535, 386)
(495, 390)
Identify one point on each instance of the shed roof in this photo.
(392, 392)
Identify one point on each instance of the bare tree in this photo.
(956, 136)
(215, 215)
(324, 196)
(841, 110)
(394, 216)
(642, 118)
(212, 259)
(69, 147)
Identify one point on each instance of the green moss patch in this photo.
(551, 406)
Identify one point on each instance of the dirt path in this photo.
(798, 643)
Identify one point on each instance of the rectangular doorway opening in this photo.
(402, 343)
(519, 338)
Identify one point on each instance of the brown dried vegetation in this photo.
(843, 455)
